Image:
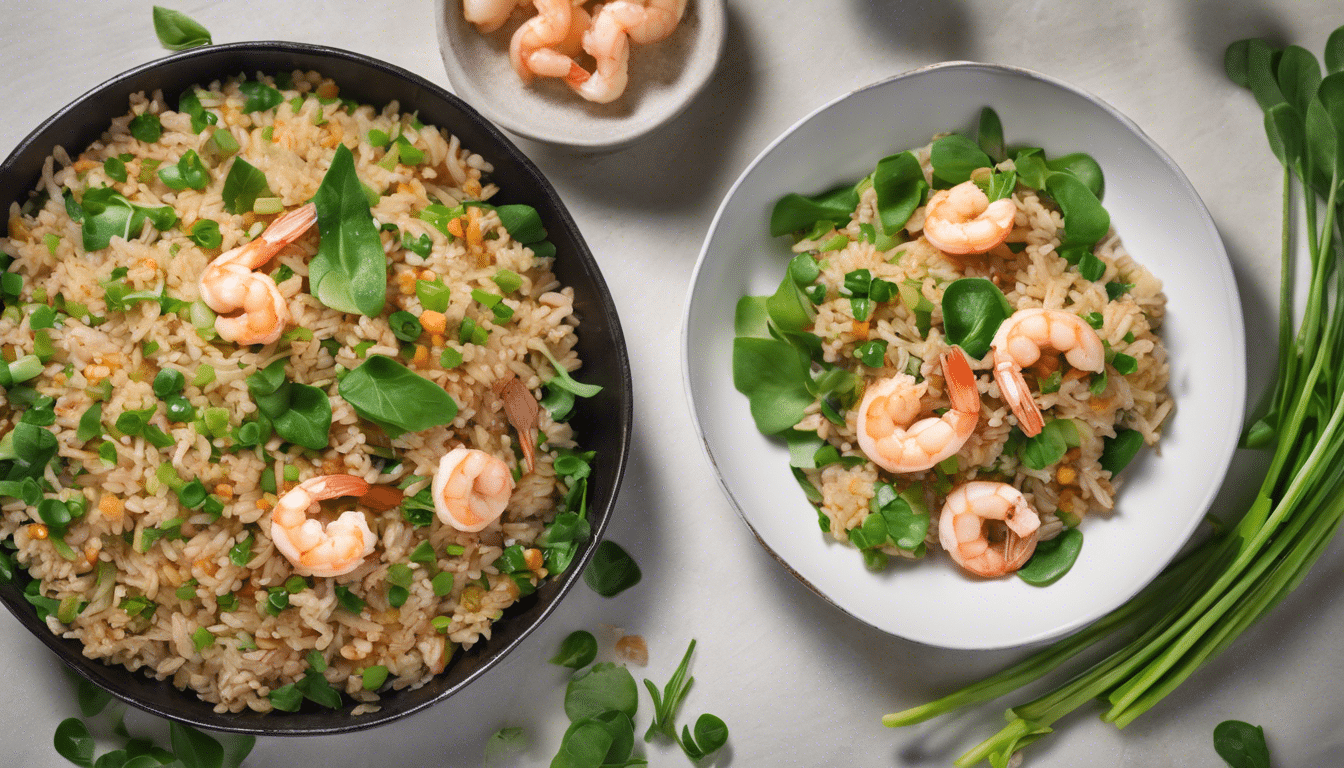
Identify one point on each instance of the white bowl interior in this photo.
(1163, 225)
(664, 78)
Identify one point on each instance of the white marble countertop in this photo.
(798, 682)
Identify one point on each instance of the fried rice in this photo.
(199, 595)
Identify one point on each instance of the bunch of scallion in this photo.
(1203, 601)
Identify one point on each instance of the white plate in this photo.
(1164, 226)
(664, 78)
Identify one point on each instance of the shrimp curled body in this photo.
(964, 528)
(471, 489)
(331, 550)
(609, 45)
(649, 22)
(889, 434)
(961, 220)
(532, 47)
(251, 308)
(1018, 345)
(488, 15)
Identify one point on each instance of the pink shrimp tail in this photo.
(336, 486)
(1013, 389)
(961, 387)
(577, 76)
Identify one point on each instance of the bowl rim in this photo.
(1221, 458)
(714, 10)
(104, 674)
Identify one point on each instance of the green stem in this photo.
(1146, 606)
(1212, 604)
(1284, 382)
(1284, 577)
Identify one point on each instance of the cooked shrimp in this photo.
(988, 528)
(251, 308)
(887, 434)
(558, 60)
(649, 22)
(535, 39)
(488, 15)
(1018, 345)
(608, 44)
(961, 220)
(471, 489)
(331, 550)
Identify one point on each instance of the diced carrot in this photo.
(111, 506)
(434, 322)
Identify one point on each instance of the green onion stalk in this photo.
(1201, 603)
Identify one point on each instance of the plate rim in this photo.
(1237, 349)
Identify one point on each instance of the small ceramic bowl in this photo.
(664, 78)
(1164, 226)
(603, 421)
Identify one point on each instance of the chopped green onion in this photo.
(450, 358)
(374, 677)
(405, 326)
(433, 295)
(167, 475)
(25, 368)
(169, 382)
(202, 638)
(872, 353)
(179, 409)
(471, 333)
(268, 484)
(205, 374)
(1124, 364)
(53, 241)
(442, 584)
(508, 281)
(268, 205)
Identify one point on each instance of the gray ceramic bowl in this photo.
(602, 422)
(664, 78)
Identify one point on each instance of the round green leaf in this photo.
(990, 135)
(601, 688)
(1242, 745)
(1052, 559)
(577, 650)
(1083, 167)
(1085, 220)
(584, 745)
(1118, 451)
(954, 157)
(1334, 51)
(73, 742)
(973, 309)
(711, 733)
(612, 570)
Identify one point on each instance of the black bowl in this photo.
(602, 422)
